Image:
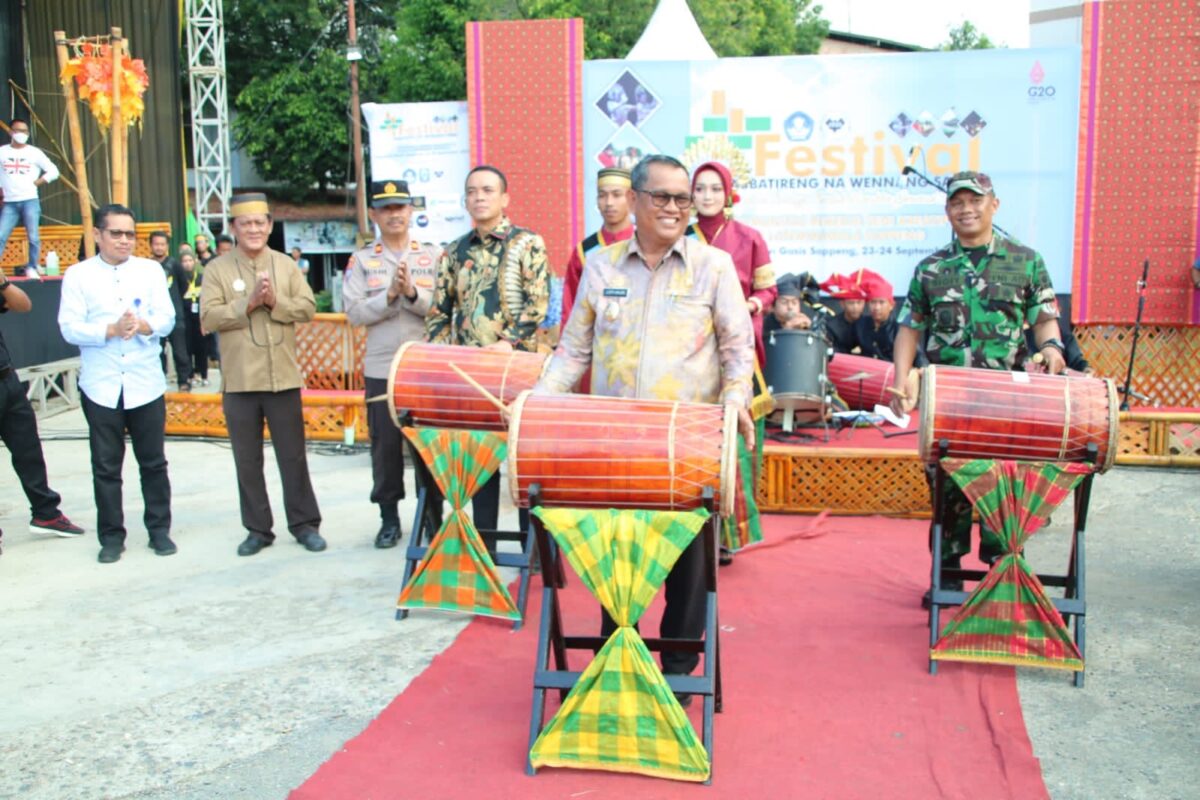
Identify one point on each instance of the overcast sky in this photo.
(928, 22)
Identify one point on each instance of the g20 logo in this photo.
(1041, 91)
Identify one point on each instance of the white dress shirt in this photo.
(19, 168)
(96, 294)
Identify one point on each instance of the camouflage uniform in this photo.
(973, 316)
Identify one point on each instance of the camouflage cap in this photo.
(977, 182)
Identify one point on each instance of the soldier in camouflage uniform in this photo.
(971, 300)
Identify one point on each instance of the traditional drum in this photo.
(795, 373)
(615, 452)
(426, 388)
(983, 413)
(867, 391)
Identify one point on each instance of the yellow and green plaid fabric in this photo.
(621, 715)
(457, 574)
(1009, 619)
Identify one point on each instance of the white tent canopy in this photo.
(671, 35)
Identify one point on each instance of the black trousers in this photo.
(388, 449)
(179, 352)
(197, 345)
(485, 506)
(683, 616)
(244, 416)
(106, 436)
(18, 430)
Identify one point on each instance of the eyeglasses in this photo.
(661, 199)
(116, 234)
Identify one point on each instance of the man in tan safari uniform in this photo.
(252, 298)
(388, 288)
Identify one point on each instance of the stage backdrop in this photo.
(425, 144)
(818, 145)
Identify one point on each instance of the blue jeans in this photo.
(27, 212)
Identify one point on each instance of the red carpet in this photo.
(827, 693)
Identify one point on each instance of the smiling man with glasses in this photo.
(662, 316)
(116, 309)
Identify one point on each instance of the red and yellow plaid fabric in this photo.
(1008, 619)
(457, 573)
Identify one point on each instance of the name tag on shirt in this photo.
(610, 292)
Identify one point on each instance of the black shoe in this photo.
(162, 545)
(726, 557)
(110, 553)
(685, 700)
(389, 535)
(311, 540)
(252, 545)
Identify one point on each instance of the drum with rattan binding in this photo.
(614, 452)
(983, 413)
(433, 395)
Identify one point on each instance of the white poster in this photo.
(425, 144)
(324, 236)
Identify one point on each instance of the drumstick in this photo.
(379, 398)
(490, 397)
(896, 392)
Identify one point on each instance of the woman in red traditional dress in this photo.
(713, 196)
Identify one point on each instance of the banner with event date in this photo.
(818, 145)
(425, 144)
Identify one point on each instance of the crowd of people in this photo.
(656, 305)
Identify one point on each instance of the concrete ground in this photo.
(206, 675)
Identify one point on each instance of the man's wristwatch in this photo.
(1055, 343)
(3, 281)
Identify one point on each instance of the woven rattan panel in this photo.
(201, 415)
(66, 240)
(1167, 369)
(810, 480)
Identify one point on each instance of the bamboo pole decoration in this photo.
(78, 159)
(120, 192)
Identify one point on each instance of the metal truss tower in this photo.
(210, 111)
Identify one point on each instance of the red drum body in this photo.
(861, 393)
(983, 413)
(435, 396)
(612, 452)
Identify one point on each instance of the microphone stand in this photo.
(1137, 329)
(909, 169)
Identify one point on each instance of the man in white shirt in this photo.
(23, 168)
(116, 308)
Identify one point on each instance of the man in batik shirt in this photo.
(971, 300)
(662, 316)
(492, 290)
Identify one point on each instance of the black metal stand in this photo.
(553, 642)
(1072, 605)
(423, 532)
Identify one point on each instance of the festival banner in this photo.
(818, 146)
(427, 145)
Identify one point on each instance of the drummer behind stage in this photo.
(971, 298)
(662, 316)
(472, 308)
(389, 288)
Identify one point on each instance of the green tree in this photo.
(293, 123)
(967, 37)
(289, 78)
(425, 57)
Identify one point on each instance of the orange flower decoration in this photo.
(93, 74)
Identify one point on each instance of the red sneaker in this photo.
(59, 526)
